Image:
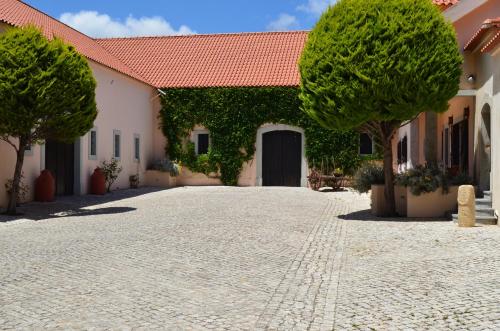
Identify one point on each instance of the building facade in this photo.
(465, 138)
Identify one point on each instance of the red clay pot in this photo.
(45, 187)
(98, 182)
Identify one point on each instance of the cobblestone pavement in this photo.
(243, 258)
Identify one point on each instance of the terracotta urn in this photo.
(45, 187)
(98, 182)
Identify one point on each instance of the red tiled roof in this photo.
(17, 13)
(488, 36)
(445, 4)
(220, 60)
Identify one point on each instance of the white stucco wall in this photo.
(251, 172)
(3, 26)
(488, 93)
(31, 167)
(125, 105)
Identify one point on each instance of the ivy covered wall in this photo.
(233, 116)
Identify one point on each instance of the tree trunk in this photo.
(389, 180)
(11, 209)
(387, 131)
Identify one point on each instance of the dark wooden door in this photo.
(281, 158)
(60, 160)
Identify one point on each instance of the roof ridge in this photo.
(201, 35)
(56, 19)
(90, 38)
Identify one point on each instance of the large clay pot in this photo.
(45, 187)
(98, 182)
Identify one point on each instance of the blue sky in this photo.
(106, 18)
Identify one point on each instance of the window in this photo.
(446, 149)
(29, 150)
(93, 144)
(403, 150)
(203, 141)
(137, 148)
(365, 144)
(116, 144)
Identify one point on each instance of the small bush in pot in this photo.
(22, 192)
(111, 170)
(370, 173)
(166, 165)
(134, 181)
(429, 178)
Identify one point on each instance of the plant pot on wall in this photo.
(45, 187)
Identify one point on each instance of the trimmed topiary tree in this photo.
(374, 65)
(47, 91)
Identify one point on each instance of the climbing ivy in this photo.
(233, 116)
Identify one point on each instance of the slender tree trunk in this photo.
(387, 133)
(11, 209)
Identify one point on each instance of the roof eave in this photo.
(462, 8)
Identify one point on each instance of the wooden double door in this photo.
(281, 158)
(60, 160)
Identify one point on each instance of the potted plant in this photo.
(162, 173)
(22, 193)
(111, 170)
(370, 177)
(134, 181)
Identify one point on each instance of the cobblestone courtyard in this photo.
(243, 258)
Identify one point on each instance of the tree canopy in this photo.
(381, 60)
(372, 65)
(47, 91)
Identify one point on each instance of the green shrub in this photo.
(428, 178)
(233, 116)
(370, 173)
(166, 165)
(111, 170)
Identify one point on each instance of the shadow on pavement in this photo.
(366, 215)
(71, 206)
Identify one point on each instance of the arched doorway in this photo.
(280, 153)
(485, 149)
(281, 158)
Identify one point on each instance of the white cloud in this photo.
(282, 23)
(316, 7)
(95, 24)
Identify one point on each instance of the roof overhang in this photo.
(466, 93)
(463, 8)
(487, 38)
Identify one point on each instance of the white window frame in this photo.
(119, 134)
(373, 145)
(91, 156)
(194, 138)
(138, 137)
(29, 152)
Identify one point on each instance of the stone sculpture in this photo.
(466, 206)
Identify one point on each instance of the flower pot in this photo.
(98, 182)
(45, 187)
(134, 181)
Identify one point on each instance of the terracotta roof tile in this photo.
(445, 4)
(488, 36)
(17, 13)
(220, 60)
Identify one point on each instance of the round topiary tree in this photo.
(47, 91)
(374, 65)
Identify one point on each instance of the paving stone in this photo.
(243, 258)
